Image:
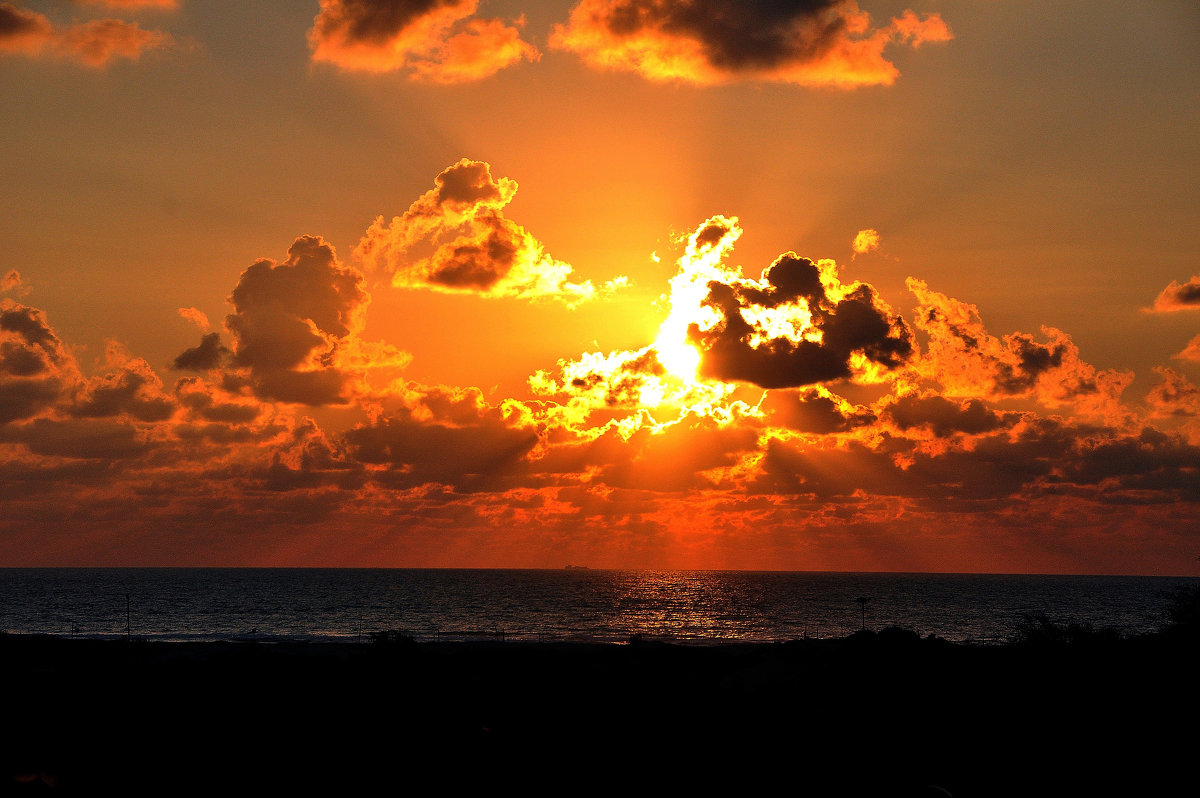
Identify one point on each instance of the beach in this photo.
(887, 713)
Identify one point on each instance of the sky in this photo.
(813, 285)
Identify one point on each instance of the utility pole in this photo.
(862, 602)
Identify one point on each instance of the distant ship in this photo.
(576, 568)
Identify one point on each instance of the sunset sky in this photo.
(625, 283)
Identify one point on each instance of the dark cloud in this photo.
(815, 42)
(943, 417)
(35, 367)
(446, 436)
(435, 40)
(1178, 296)
(289, 321)
(814, 410)
(130, 389)
(475, 248)
(848, 323)
(209, 354)
(20, 28)
(88, 438)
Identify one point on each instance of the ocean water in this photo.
(575, 604)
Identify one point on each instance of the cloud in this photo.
(135, 5)
(1191, 351)
(799, 325)
(11, 283)
(197, 317)
(295, 330)
(435, 40)
(475, 249)
(35, 368)
(445, 435)
(815, 43)
(209, 354)
(965, 360)
(129, 388)
(814, 410)
(94, 43)
(943, 417)
(865, 241)
(289, 321)
(1178, 296)
(1174, 395)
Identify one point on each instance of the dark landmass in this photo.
(1061, 711)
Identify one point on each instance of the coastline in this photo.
(874, 713)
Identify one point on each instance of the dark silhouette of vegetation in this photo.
(392, 637)
(1183, 611)
(1037, 629)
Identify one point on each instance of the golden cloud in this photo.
(823, 43)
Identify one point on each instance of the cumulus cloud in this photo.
(35, 367)
(207, 355)
(295, 330)
(1174, 395)
(799, 325)
(865, 241)
(436, 40)
(1178, 296)
(815, 43)
(94, 43)
(475, 249)
(128, 388)
(965, 360)
(289, 320)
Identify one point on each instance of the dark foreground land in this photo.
(882, 714)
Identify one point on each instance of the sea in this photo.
(571, 604)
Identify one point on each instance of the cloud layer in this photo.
(790, 421)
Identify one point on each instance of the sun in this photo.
(677, 356)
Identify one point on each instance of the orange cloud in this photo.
(1178, 296)
(476, 250)
(295, 329)
(35, 368)
(865, 241)
(966, 361)
(435, 40)
(134, 5)
(630, 458)
(823, 43)
(95, 43)
(11, 283)
(195, 316)
(1191, 351)
(1174, 395)
(798, 325)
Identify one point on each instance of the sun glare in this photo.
(677, 356)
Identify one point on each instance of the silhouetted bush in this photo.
(1038, 630)
(392, 637)
(1183, 609)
